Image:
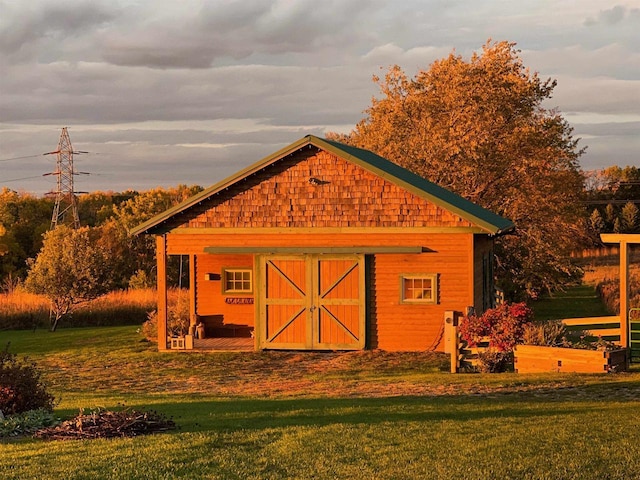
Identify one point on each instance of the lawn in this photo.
(297, 415)
(576, 302)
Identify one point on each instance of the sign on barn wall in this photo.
(238, 300)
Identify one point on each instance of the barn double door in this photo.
(312, 302)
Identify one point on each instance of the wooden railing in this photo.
(606, 327)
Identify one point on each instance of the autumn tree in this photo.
(25, 218)
(140, 250)
(71, 268)
(479, 128)
(629, 217)
(3, 246)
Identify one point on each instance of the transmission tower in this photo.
(65, 210)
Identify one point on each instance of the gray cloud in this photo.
(44, 31)
(237, 31)
(190, 91)
(609, 17)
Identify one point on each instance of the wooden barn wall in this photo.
(395, 326)
(209, 297)
(314, 188)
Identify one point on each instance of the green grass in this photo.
(576, 302)
(362, 415)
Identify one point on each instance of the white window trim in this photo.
(420, 301)
(226, 291)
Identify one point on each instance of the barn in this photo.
(324, 246)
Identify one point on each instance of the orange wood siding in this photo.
(317, 189)
(396, 326)
(209, 297)
(392, 324)
(195, 243)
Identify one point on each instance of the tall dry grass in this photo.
(606, 280)
(22, 310)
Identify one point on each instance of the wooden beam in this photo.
(316, 250)
(316, 230)
(161, 260)
(620, 237)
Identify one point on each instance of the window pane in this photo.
(237, 281)
(419, 289)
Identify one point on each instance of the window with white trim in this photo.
(419, 288)
(237, 280)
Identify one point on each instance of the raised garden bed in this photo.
(539, 359)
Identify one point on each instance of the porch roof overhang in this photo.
(316, 250)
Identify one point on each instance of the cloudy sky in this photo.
(161, 92)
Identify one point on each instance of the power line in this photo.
(19, 179)
(20, 158)
(48, 153)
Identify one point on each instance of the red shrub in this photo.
(21, 389)
(503, 325)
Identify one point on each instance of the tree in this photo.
(4, 248)
(25, 219)
(596, 222)
(70, 269)
(478, 128)
(629, 217)
(138, 209)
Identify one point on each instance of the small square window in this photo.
(419, 288)
(237, 280)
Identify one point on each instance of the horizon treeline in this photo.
(25, 218)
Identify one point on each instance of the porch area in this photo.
(213, 344)
(231, 344)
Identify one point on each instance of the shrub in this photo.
(177, 318)
(21, 388)
(26, 422)
(149, 328)
(503, 326)
(550, 333)
(554, 333)
(491, 361)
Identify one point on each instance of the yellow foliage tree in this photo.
(479, 128)
(3, 247)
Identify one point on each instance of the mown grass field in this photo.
(362, 415)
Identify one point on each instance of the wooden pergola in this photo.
(624, 240)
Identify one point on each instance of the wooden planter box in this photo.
(538, 359)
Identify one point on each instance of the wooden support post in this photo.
(624, 294)
(161, 260)
(624, 240)
(451, 338)
(192, 290)
(455, 354)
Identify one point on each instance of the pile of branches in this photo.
(108, 424)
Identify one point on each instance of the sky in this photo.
(161, 93)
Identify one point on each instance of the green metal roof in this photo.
(487, 220)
